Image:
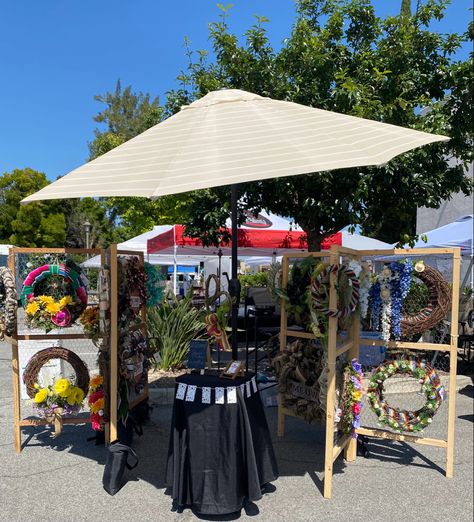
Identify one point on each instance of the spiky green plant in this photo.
(173, 325)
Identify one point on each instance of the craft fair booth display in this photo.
(78, 337)
(399, 297)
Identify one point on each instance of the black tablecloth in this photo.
(219, 455)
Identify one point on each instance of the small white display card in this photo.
(231, 395)
(191, 393)
(242, 389)
(220, 399)
(180, 392)
(247, 385)
(254, 385)
(206, 395)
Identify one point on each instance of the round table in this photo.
(220, 455)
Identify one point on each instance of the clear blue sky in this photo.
(55, 55)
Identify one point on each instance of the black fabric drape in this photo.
(219, 455)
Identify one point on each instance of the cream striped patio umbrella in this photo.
(229, 137)
(232, 136)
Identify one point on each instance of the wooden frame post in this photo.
(113, 351)
(453, 359)
(15, 371)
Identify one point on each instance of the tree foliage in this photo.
(342, 57)
(37, 224)
(127, 114)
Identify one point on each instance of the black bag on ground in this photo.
(117, 461)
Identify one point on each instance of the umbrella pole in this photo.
(234, 286)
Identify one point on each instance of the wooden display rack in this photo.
(108, 258)
(351, 346)
(18, 421)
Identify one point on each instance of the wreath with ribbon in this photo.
(43, 310)
(39, 359)
(319, 287)
(8, 303)
(406, 420)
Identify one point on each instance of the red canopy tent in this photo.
(258, 236)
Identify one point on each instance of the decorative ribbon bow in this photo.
(56, 418)
(216, 330)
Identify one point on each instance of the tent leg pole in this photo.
(234, 287)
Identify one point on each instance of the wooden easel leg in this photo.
(350, 451)
(16, 399)
(453, 365)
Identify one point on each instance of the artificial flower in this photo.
(41, 396)
(76, 396)
(62, 318)
(46, 299)
(53, 308)
(98, 405)
(95, 396)
(32, 308)
(65, 301)
(96, 422)
(62, 387)
(95, 382)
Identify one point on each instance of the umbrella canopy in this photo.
(233, 136)
(456, 234)
(229, 137)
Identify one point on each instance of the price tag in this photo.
(254, 385)
(247, 386)
(242, 389)
(220, 396)
(206, 395)
(231, 395)
(190, 394)
(181, 391)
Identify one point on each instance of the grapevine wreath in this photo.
(439, 302)
(8, 303)
(39, 359)
(405, 420)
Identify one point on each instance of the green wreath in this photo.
(405, 420)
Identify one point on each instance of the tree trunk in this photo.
(314, 240)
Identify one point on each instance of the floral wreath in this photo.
(351, 399)
(405, 420)
(43, 310)
(9, 303)
(96, 401)
(319, 283)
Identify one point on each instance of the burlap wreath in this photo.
(30, 375)
(301, 366)
(439, 303)
(9, 304)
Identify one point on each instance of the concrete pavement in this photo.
(57, 479)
